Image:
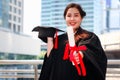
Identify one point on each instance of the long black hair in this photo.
(77, 6)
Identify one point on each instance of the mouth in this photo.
(72, 23)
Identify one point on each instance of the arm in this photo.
(46, 67)
(49, 45)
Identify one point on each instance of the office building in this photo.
(111, 15)
(13, 43)
(52, 14)
(11, 15)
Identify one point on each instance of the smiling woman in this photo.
(90, 61)
(74, 16)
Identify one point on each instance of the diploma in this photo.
(71, 36)
(71, 39)
(73, 49)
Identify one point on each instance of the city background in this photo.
(19, 17)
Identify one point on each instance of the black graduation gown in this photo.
(55, 68)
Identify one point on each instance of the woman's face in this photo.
(73, 18)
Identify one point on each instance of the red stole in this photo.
(80, 67)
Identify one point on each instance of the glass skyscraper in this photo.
(4, 13)
(0, 13)
(52, 14)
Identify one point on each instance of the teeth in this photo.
(72, 23)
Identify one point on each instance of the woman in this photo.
(55, 67)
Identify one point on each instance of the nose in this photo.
(72, 18)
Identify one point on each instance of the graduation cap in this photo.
(45, 32)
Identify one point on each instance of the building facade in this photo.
(14, 44)
(11, 15)
(111, 17)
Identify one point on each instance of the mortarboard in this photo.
(45, 32)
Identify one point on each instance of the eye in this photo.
(68, 15)
(76, 15)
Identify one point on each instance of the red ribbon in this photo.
(72, 59)
(56, 40)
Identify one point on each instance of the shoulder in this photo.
(62, 38)
(94, 37)
(62, 35)
(89, 39)
(90, 35)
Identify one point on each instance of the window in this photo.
(19, 4)
(18, 28)
(10, 1)
(15, 10)
(15, 2)
(9, 26)
(14, 27)
(10, 8)
(14, 18)
(19, 19)
(19, 12)
(10, 17)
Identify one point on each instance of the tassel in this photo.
(82, 65)
(56, 40)
(66, 56)
(72, 59)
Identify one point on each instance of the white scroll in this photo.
(71, 38)
(70, 33)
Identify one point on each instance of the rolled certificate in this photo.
(71, 36)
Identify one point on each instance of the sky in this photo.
(31, 16)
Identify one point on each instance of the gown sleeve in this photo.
(94, 57)
(46, 67)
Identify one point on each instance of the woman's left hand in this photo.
(76, 56)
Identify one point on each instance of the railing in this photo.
(35, 71)
(113, 44)
(113, 70)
